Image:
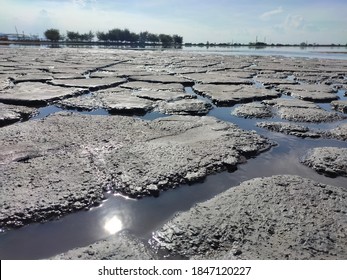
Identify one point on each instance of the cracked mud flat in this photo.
(65, 162)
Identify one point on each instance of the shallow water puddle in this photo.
(51, 109)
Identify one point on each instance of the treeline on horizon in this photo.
(115, 35)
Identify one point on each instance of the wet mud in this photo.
(107, 127)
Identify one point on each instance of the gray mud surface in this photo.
(12, 113)
(113, 100)
(339, 133)
(340, 105)
(31, 93)
(330, 161)
(122, 246)
(150, 121)
(185, 107)
(66, 161)
(253, 110)
(313, 92)
(280, 217)
(290, 129)
(231, 94)
(302, 111)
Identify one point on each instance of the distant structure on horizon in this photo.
(18, 37)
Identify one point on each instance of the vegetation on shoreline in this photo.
(115, 35)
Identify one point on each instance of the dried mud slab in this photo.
(115, 101)
(280, 103)
(31, 93)
(185, 107)
(314, 96)
(162, 95)
(221, 78)
(125, 103)
(65, 162)
(253, 110)
(103, 75)
(126, 70)
(339, 132)
(329, 161)
(308, 115)
(32, 77)
(311, 78)
(290, 129)
(122, 246)
(153, 86)
(279, 217)
(185, 70)
(164, 79)
(275, 81)
(312, 88)
(11, 113)
(88, 103)
(91, 84)
(5, 83)
(225, 95)
(340, 105)
(68, 76)
(302, 111)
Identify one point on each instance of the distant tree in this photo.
(166, 40)
(114, 35)
(53, 35)
(143, 37)
(102, 36)
(73, 36)
(125, 35)
(83, 37)
(133, 37)
(153, 38)
(90, 36)
(177, 40)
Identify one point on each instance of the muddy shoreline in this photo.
(140, 123)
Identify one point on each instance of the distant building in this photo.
(3, 37)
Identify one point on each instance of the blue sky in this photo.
(276, 21)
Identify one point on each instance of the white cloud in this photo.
(269, 14)
(84, 3)
(43, 13)
(80, 2)
(294, 22)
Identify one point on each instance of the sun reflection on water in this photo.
(113, 225)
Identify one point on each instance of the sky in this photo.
(220, 21)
